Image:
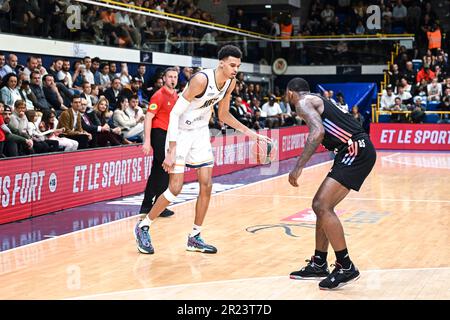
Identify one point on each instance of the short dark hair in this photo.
(298, 85)
(229, 51)
(75, 96)
(134, 97)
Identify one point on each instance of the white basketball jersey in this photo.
(199, 110)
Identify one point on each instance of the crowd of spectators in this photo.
(417, 86)
(88, 103)
(105, 26)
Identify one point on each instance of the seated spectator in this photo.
(3, 71)
(405, 96)
(341, 103)
(289, 117)
(259, 116)
(49, 126)
(86, 94)
(357, 115)
(131, 130)
(12, 65)
(434, 90)
(387, 100)
(41, 144)
(101, 134)
(410, 74)
(32, 65)
(9, 93)
(105, 80)
(397, 107)
(70, 120)
(445, 106)
(65, 76)
(3, 130)
(273, 112)
(425, 73)
(15, 145)
(52, 94)
(134, 110)
(418, 112)
(112, 93)
(124, 76)
(25, 92)
(239, 111)
(41, 103)
(105, 115)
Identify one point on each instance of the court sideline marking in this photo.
(238, 280)
(172, 206)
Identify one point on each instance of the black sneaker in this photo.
(339, 277)
(166, 213)
(311, 271)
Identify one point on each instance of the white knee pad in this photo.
(169, 195)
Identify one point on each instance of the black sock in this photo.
(320, 257)
(343, 258)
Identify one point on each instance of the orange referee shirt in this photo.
(161, 103)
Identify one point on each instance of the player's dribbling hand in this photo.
(294, 175)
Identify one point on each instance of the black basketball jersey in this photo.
(339, 125)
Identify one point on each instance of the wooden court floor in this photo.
(397, 231)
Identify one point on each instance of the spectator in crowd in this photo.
(32, 64)
(418, 112)
(239, 111)
(156, 86)
(64, 75)
(101, 134)
(357, 115)
(259, 116)
(124, 76)
(49, 125)
(4, 130)
(86, 94)
(9, 93)
(112, 93)
(41, 144)
(289, 117)
(405, 96)
(434, 90)
(105, 115)
(273, 111)
(3, 71)
(445, 106)
(41, 102)
(387, 100)
(410, 74)
(425, 73)
(341, 102)
(131, 130)
(12, 65)
(105, 80)
(134, 110)
(70, 120)
(398, 107)
(15, 144)
(52, 94)
(25, 92)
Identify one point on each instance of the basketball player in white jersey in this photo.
(188, 143)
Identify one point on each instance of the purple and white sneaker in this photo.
(197, 244)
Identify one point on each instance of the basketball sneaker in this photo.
(143, 240)
(311, 271)
(339, 277)
(197, 244)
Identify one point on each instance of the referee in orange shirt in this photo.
(155, 131)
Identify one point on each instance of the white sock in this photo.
(195, 230)
(146, 222)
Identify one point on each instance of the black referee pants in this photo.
(158, 181)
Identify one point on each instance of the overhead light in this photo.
(268, 6)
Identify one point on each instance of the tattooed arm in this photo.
(308, 110)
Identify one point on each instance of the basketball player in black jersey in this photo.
(355, 157)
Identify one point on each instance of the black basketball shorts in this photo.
(354, 162)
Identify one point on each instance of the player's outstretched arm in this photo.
(195, 87)
(307, 109)
(225, 116)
